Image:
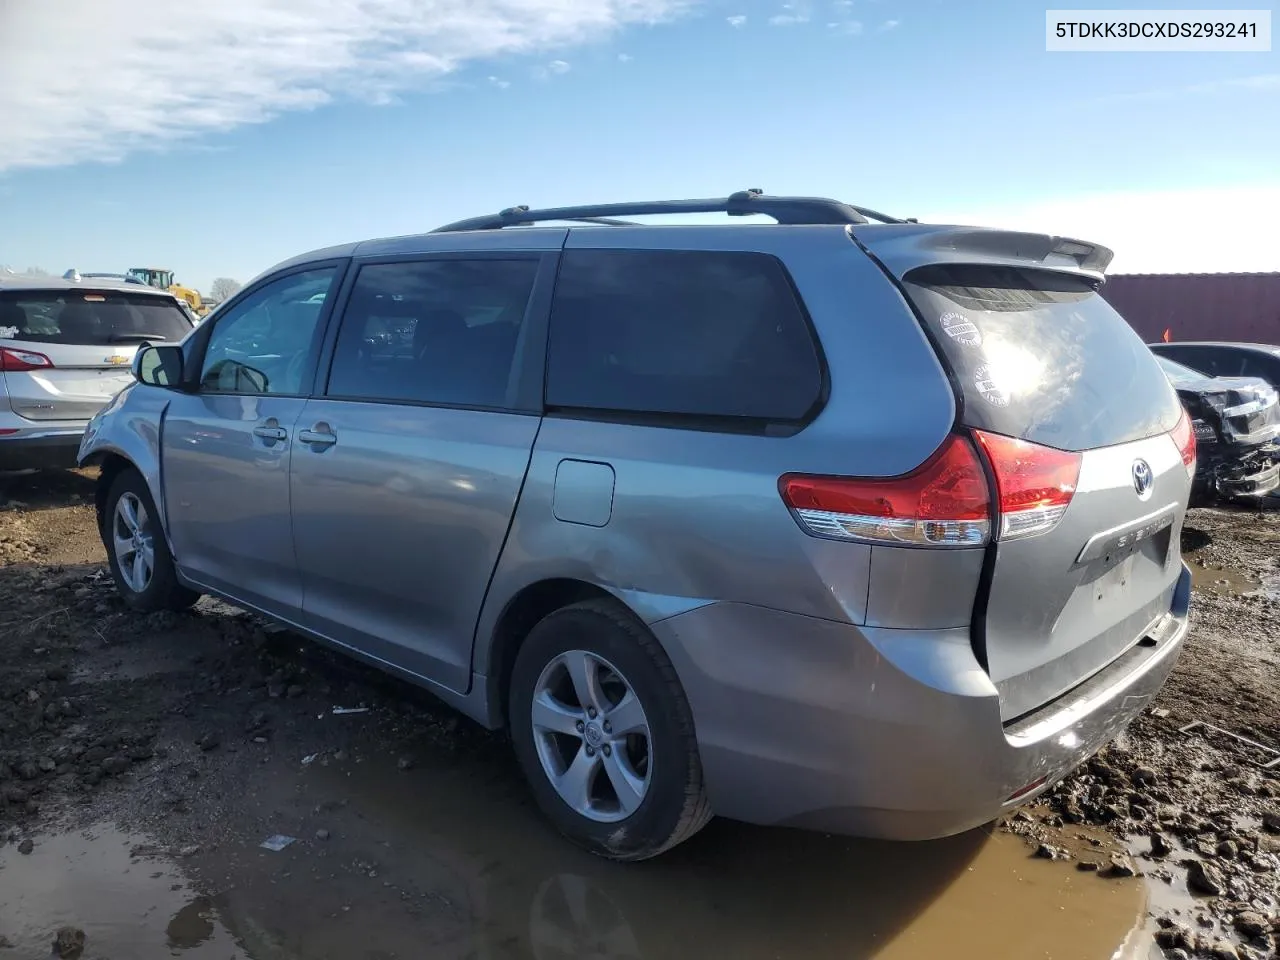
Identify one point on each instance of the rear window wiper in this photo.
(135, 337)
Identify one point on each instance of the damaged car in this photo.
(1236, 422)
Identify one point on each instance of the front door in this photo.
(226, 447)
(407, 471)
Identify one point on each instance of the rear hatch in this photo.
(1079, 573)
(65, 353)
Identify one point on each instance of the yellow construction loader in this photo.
(163, 279)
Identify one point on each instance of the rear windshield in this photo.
(1041, 356)
(90, 317)
(1177, 373)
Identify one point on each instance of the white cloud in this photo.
(793, 13)
(842, 5)
(1211, 229)
(736, 21)
(625, 58)
(554, 68)
(1262, 81)
(889, 25)
(847, 27)
(499, 82)
(98, 79)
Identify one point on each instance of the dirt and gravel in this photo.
(199, 735)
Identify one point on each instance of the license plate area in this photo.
(1145, 551)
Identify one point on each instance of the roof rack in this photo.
(744, 203)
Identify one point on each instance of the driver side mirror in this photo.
(158, 366)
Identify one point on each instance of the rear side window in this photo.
(90, 317)
(436, 331)
(681, 333)
(1041, 356)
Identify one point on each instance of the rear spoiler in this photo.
(904, 247)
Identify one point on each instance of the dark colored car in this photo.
(1236, 422)
(1226, 359)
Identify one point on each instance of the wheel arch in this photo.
(526, 607)
(111, 461)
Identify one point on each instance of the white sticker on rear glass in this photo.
(988, 388)
(960, 329)
(9, 333)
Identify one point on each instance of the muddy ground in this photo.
(145, 759)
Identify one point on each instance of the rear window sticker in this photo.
(960, 329)
(989, 390)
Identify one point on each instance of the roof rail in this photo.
(744, 203)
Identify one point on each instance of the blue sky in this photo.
(217, 142)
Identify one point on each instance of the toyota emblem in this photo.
(1142, 478)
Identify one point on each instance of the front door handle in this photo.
(271, 430)
(319, 436)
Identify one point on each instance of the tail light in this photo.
(944, 503)
(1184, 438)
(1035, 484)
(15, 361)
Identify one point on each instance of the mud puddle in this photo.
(127, 906)
(449, 861)
(1217, 571)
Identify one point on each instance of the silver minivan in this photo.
(848, 523)
(66, 348)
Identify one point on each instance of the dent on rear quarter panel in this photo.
(696, 516)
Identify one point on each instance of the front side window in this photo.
(265, 343)
(689, 334)
(434, 331)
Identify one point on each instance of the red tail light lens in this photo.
(1035, 483)
(16, 361)
(1184, 438)
(944, 503)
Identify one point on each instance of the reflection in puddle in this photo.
(451, 861)
(192, 925)
(570, 919)
(129, 908)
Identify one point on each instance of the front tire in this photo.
(604, 734)
(137, 551)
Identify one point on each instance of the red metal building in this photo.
(1243, 307)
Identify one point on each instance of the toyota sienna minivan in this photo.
(841, 522)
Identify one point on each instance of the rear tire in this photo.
(638, 734)
(137, 551)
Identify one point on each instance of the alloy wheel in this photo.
(592, 736)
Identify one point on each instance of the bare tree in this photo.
(223, 287)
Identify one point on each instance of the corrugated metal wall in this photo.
(1199, 306)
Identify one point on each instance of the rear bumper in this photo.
(886, 733)
(41, 449)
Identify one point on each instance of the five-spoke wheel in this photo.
(592, 736)
(137, 552)
(604, 733)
